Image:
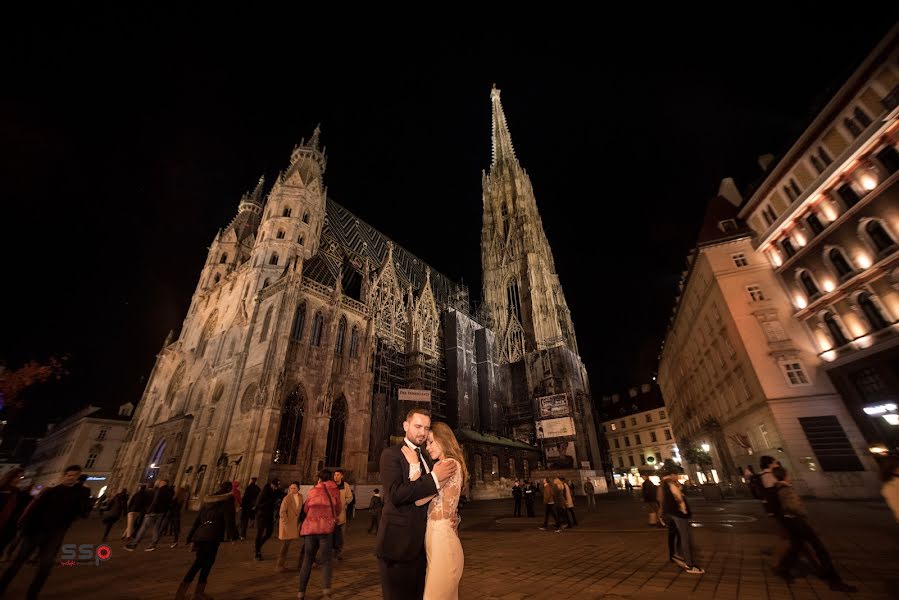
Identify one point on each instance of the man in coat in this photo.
(401, 535)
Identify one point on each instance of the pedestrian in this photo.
(248, 506)
(12, 504)
(173, 518)
(560, 502)
(650, 499)
(795, 519)
(322, 507)
(43, 525)
(889, 475)
(209, 530)
(289, 524)
(265, 514)
(530, 491)
(159, 508)
(589, 491)
(517, 495)
(136, 507)
(375, 506)
(677, 513)
(766, 486)
(346, 496)
(116, 507)
(87, 503)
(549, 505)
(569, 504)
(629, 487)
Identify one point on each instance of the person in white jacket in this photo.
(889, 474)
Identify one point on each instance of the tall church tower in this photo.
(526, 308)
(522, 293)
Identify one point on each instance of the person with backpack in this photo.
(214, 522)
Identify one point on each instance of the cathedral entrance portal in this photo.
(153, 465)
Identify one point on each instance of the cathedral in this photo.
(310, 335)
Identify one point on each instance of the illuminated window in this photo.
(612, 426)
(763, 430)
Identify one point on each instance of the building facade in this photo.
(638, 435)
(310, 335)
(91, 438)
(741, 377)
(827, 220)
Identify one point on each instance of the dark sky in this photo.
(128, 138)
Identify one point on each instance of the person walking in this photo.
(375, 506)
(248, 506)
(44, 525)
(322, 507)
(677, 513)
(549, 505)
(265, 514)
(569, 504)
(172, 519)
(795, 519)
(208, 531)
(560, 502)
(289, 524)
(651, 500)
(590, 492)
(346, 497)
(159, 507)
(116, 507)
(136, 508)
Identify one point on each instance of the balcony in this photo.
(839, 356)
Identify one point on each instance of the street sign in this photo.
(408, 395)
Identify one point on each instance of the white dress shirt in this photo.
(413, 469)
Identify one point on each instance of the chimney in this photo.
(728, 190)
(765, 161)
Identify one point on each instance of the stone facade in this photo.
(307, 322)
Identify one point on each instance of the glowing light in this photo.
(829, 212)
(800, 301)
(706, 447)
(879, 409)
(891, 419)
(862, 260)
(864, 342)
(776, 258)
(828, 285)
(800, 239)
(877, 450)
(829, 355)
(153, 466)
(868, 180)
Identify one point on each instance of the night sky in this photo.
(128, 139)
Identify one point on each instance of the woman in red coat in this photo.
(322, 508)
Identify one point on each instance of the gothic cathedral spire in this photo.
(522, 294)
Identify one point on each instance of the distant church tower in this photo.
(523, 299)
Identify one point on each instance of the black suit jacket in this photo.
(401, 535)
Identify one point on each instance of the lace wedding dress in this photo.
(444, 550)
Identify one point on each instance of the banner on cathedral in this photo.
(554, 406)
(561, 456)
(407, 395)
(555, 428)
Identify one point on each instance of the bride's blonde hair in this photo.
(451, 448)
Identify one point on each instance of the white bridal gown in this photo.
(444, 550)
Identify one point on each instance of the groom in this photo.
(401, 536)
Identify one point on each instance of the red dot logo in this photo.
(104, 552)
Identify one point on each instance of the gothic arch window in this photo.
(174, 384)
(196, 401)
(274, 259)
(306, 217)
(504, 219)
(835, 330)
(341, 335)
(478, 468)
(336, 430)
(266, 283)
(840, 265)
(280, 234)
(494, 466)
(208, 329)
(318, 325)
(872, 312)
(292, 412)
(224, 258)
(514, 298)
(287, 212)
(354, 342)
(878, 237)
(217, 278)
(808, 284)
(265, 324)
(217, 394)
(299, 322)
(301, 240)
(248, 398)
(512, 471)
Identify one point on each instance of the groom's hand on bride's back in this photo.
(444, 470)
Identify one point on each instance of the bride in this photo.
(442, 546)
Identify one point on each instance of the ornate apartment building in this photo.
(741, 376)
(827, 220)
(307, 323)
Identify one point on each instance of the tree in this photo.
(699, 457)
(13, 383)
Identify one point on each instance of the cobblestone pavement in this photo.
(611, 554)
